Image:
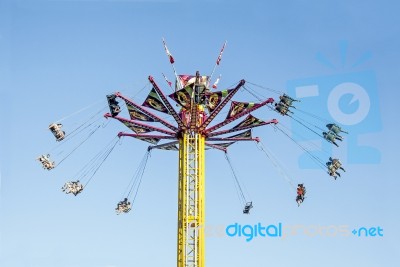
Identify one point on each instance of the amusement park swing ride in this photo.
(191, 133)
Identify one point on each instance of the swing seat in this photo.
(247, 207)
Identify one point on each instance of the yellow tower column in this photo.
(191, 200)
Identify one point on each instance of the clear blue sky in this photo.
(57, 56)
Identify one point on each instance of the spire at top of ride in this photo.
(181, 81)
